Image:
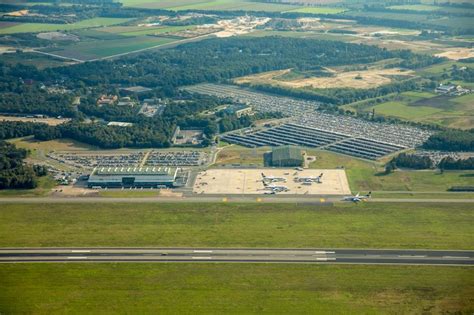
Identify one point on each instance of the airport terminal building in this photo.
(127, 177)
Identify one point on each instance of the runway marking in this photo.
(324, 258)
(411, 256)
(203, 251)
(80, 251)
(323, 252)
(459, 257)
(202, 257)
(77, 257)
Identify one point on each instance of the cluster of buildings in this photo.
(452, 90)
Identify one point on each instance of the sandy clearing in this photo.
(457, 53)
(352, 79)
(49, 121)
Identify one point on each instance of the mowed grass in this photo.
(402, 110)
(368, 176)
(203, 288)
(364, 225)
(455, 112)
(45, 27)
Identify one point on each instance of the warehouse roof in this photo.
(286, 152)
(134, 171)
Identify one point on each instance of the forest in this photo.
(14, 173)
(451, 140)
(412, 161)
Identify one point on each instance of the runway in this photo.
(328, 200)
(240, 255)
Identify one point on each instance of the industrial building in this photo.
(127, 177)
(284, 156)
(238, 109)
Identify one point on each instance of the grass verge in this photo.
(202, 288)
(365, 225)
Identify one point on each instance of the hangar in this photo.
(146, 177)
(284, 156)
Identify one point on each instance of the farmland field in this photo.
(209, 5)
(305, 34)
(428, 8)
(157, 30)
(456, 112)
(449, 22)
(318, 10)
(44, 27)
(99, 49)
(143, 288)
(33, 59)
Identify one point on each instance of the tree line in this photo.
(420, 162)
(451, 140)
(14, 173)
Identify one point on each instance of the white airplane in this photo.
(358, 197)
(273, 178)
(311, 179)
(275, 188)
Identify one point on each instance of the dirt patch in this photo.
(350, 79)
(442, 101)
(48, 121)
(457, 53)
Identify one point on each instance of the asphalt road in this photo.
(240, 255)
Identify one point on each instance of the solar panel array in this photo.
(285, 134)
(294, 134)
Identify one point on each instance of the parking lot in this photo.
(311, 128)
(261, 102)
(249, 181)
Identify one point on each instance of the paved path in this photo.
(240, 255)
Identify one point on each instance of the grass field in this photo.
(451, 22)
(203, 288)
(221, 5)
(158, 30)
(427, 107)
(305, 34)
(44, 27)
(238, 225)
(365, 175)
(33, 59)
(318, 10)
(128, 193)
(99, 49)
